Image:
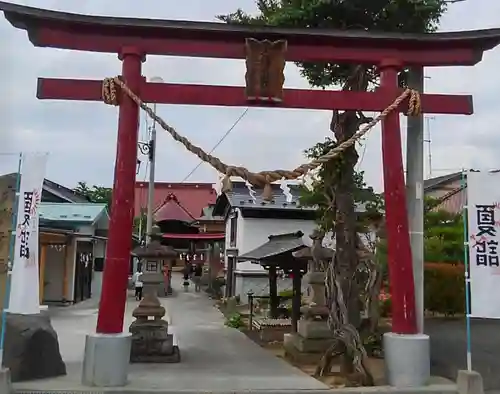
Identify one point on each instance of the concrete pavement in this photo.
(214, 358)
(448, 348)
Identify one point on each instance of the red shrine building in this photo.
(183, 213)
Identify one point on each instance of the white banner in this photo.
(483, 203)
(24, 290)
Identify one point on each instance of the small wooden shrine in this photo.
(277, 255)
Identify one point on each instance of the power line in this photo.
(217, 144)
(362, 156)
(360, 161)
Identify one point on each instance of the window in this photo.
(233, 229)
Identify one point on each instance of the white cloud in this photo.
(81, 136)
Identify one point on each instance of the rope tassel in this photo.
(267, 194)
(227, 185)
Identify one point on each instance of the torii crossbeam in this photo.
(132, 39)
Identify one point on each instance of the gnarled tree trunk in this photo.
(343, 291)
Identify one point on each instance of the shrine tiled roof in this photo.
(71, 213)
(276, 245)
(172, 209)
(193, 197)
(242, 196)
(433, 183)
(54, 192)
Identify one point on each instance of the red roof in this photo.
(192, 197)
(209, 236)
(172, 210)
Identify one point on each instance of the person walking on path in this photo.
(137, 279)
(197, 272)
(186, 271)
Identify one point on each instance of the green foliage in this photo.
(385, 307)
(140, 224)
(96, 194)
(235, 321)
(444, 288)
(443, 235)
(322, 193)
(288, 293)
(404, 16)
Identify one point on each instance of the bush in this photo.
(385, 304)
(288, 293)
(235, 321)
(444, 288)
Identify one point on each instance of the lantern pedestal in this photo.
(151, 342)
(313, 335)
(106, 360)
(407, 359)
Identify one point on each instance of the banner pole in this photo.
(12, 242)
(467, 272)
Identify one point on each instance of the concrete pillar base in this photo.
(106, 360)
(407, 359)
(469, 382)
(5, 383)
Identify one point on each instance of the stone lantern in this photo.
(313, 335)
(153, 257)
(151, 342)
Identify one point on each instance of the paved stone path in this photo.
(214, 358)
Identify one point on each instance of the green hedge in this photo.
(444, 288)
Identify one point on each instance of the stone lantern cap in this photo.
(154, 250)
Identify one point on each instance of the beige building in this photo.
(72, 243)
(449, 189)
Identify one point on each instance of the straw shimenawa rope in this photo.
(110, 95)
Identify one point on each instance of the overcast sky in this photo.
(81, 137)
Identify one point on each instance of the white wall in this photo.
(259, 285)
(99, 252)
(255, 232)
(85, 230)
(100, 248)
(239, 233)
(250, 234)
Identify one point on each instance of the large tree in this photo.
(363, 287)
(400, 16)
(97, 194)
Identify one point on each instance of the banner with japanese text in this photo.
(24, 290)
(483, 207)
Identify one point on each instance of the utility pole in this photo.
(415, 194)
(151, 184)
(428, 141)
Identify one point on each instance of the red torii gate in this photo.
(132, 39)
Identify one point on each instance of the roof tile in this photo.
(192, 196)
(77, 212)
(172, 209)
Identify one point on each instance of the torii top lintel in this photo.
(218, 40)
